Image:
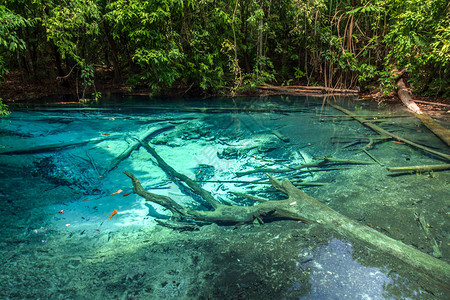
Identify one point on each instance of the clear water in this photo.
(61, 181)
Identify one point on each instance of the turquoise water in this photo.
(72, 227)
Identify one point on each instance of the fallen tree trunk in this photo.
(440, 131)
(51, 147)
(406, 98)
(326, 161)
(134, 145)
(307, 89)
(298, 206)
(387, 134)
(432, 103)
(426, 168)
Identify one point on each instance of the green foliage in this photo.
(9, 24)
(10, 41)
(219, 46)
(4, 111)
(69, 23)
(419, 41)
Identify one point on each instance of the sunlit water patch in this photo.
(63, 184)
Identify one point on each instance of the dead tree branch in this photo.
(300, 206)
(387, 134)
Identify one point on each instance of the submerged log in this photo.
(426, 168)
(326, 161)
(440, 131)
(51, 147)
(189, 182)
(298, 206)
(135, 144)
(385, 133)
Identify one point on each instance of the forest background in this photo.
(219, 46)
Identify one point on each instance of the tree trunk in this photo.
(59, 68)
(244, 16)
(298, 206)
(440, 131)
(115, 57)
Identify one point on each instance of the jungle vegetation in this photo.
(224, 46)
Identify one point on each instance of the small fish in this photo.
(398, 142)
(124, 195)
(105, 134)
(113, 213)
(118, 192)
(61, 211)
(86, 200)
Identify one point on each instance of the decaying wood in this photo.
(426, 168)
(406, 98)
(420, 219)
(301, 183)
(264, 170)
(432, 103)
(376, 137)
(189, 182)
(326, 161)
(387, 134)
(372, 157)
(300, 206)
(440, 131)
(280, 136)
(236, 109)
(250, 197)
(135, 144)
(51, 147)
(365, 116)
(234, 181)
(305, 90)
